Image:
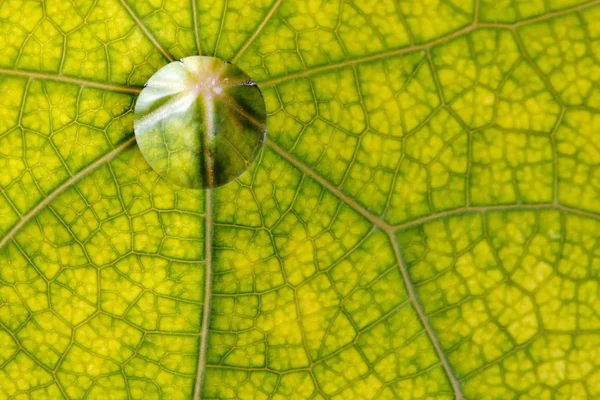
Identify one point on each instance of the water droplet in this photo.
(200, 122)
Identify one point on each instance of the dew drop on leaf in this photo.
(200, 122)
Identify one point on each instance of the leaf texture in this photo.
(423, 222)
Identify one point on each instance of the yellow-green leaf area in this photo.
(422, 222)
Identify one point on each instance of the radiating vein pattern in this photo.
(308, 294)
(425, 223)
(513, 299)
(49, 132)
(94, 40)
(102, 290)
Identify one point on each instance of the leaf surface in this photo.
(423, 222)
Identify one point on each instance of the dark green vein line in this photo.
(196, 27)
(421, 47)
(497, 208)
(257, 32)
(412, 294)
(365, 59)
(68, 183)
(208, 233)
(218, 42)
(145, 30)
(326, 184)
(68, 79)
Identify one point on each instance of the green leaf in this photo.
(423, 221)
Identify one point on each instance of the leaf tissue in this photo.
(421, 221)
